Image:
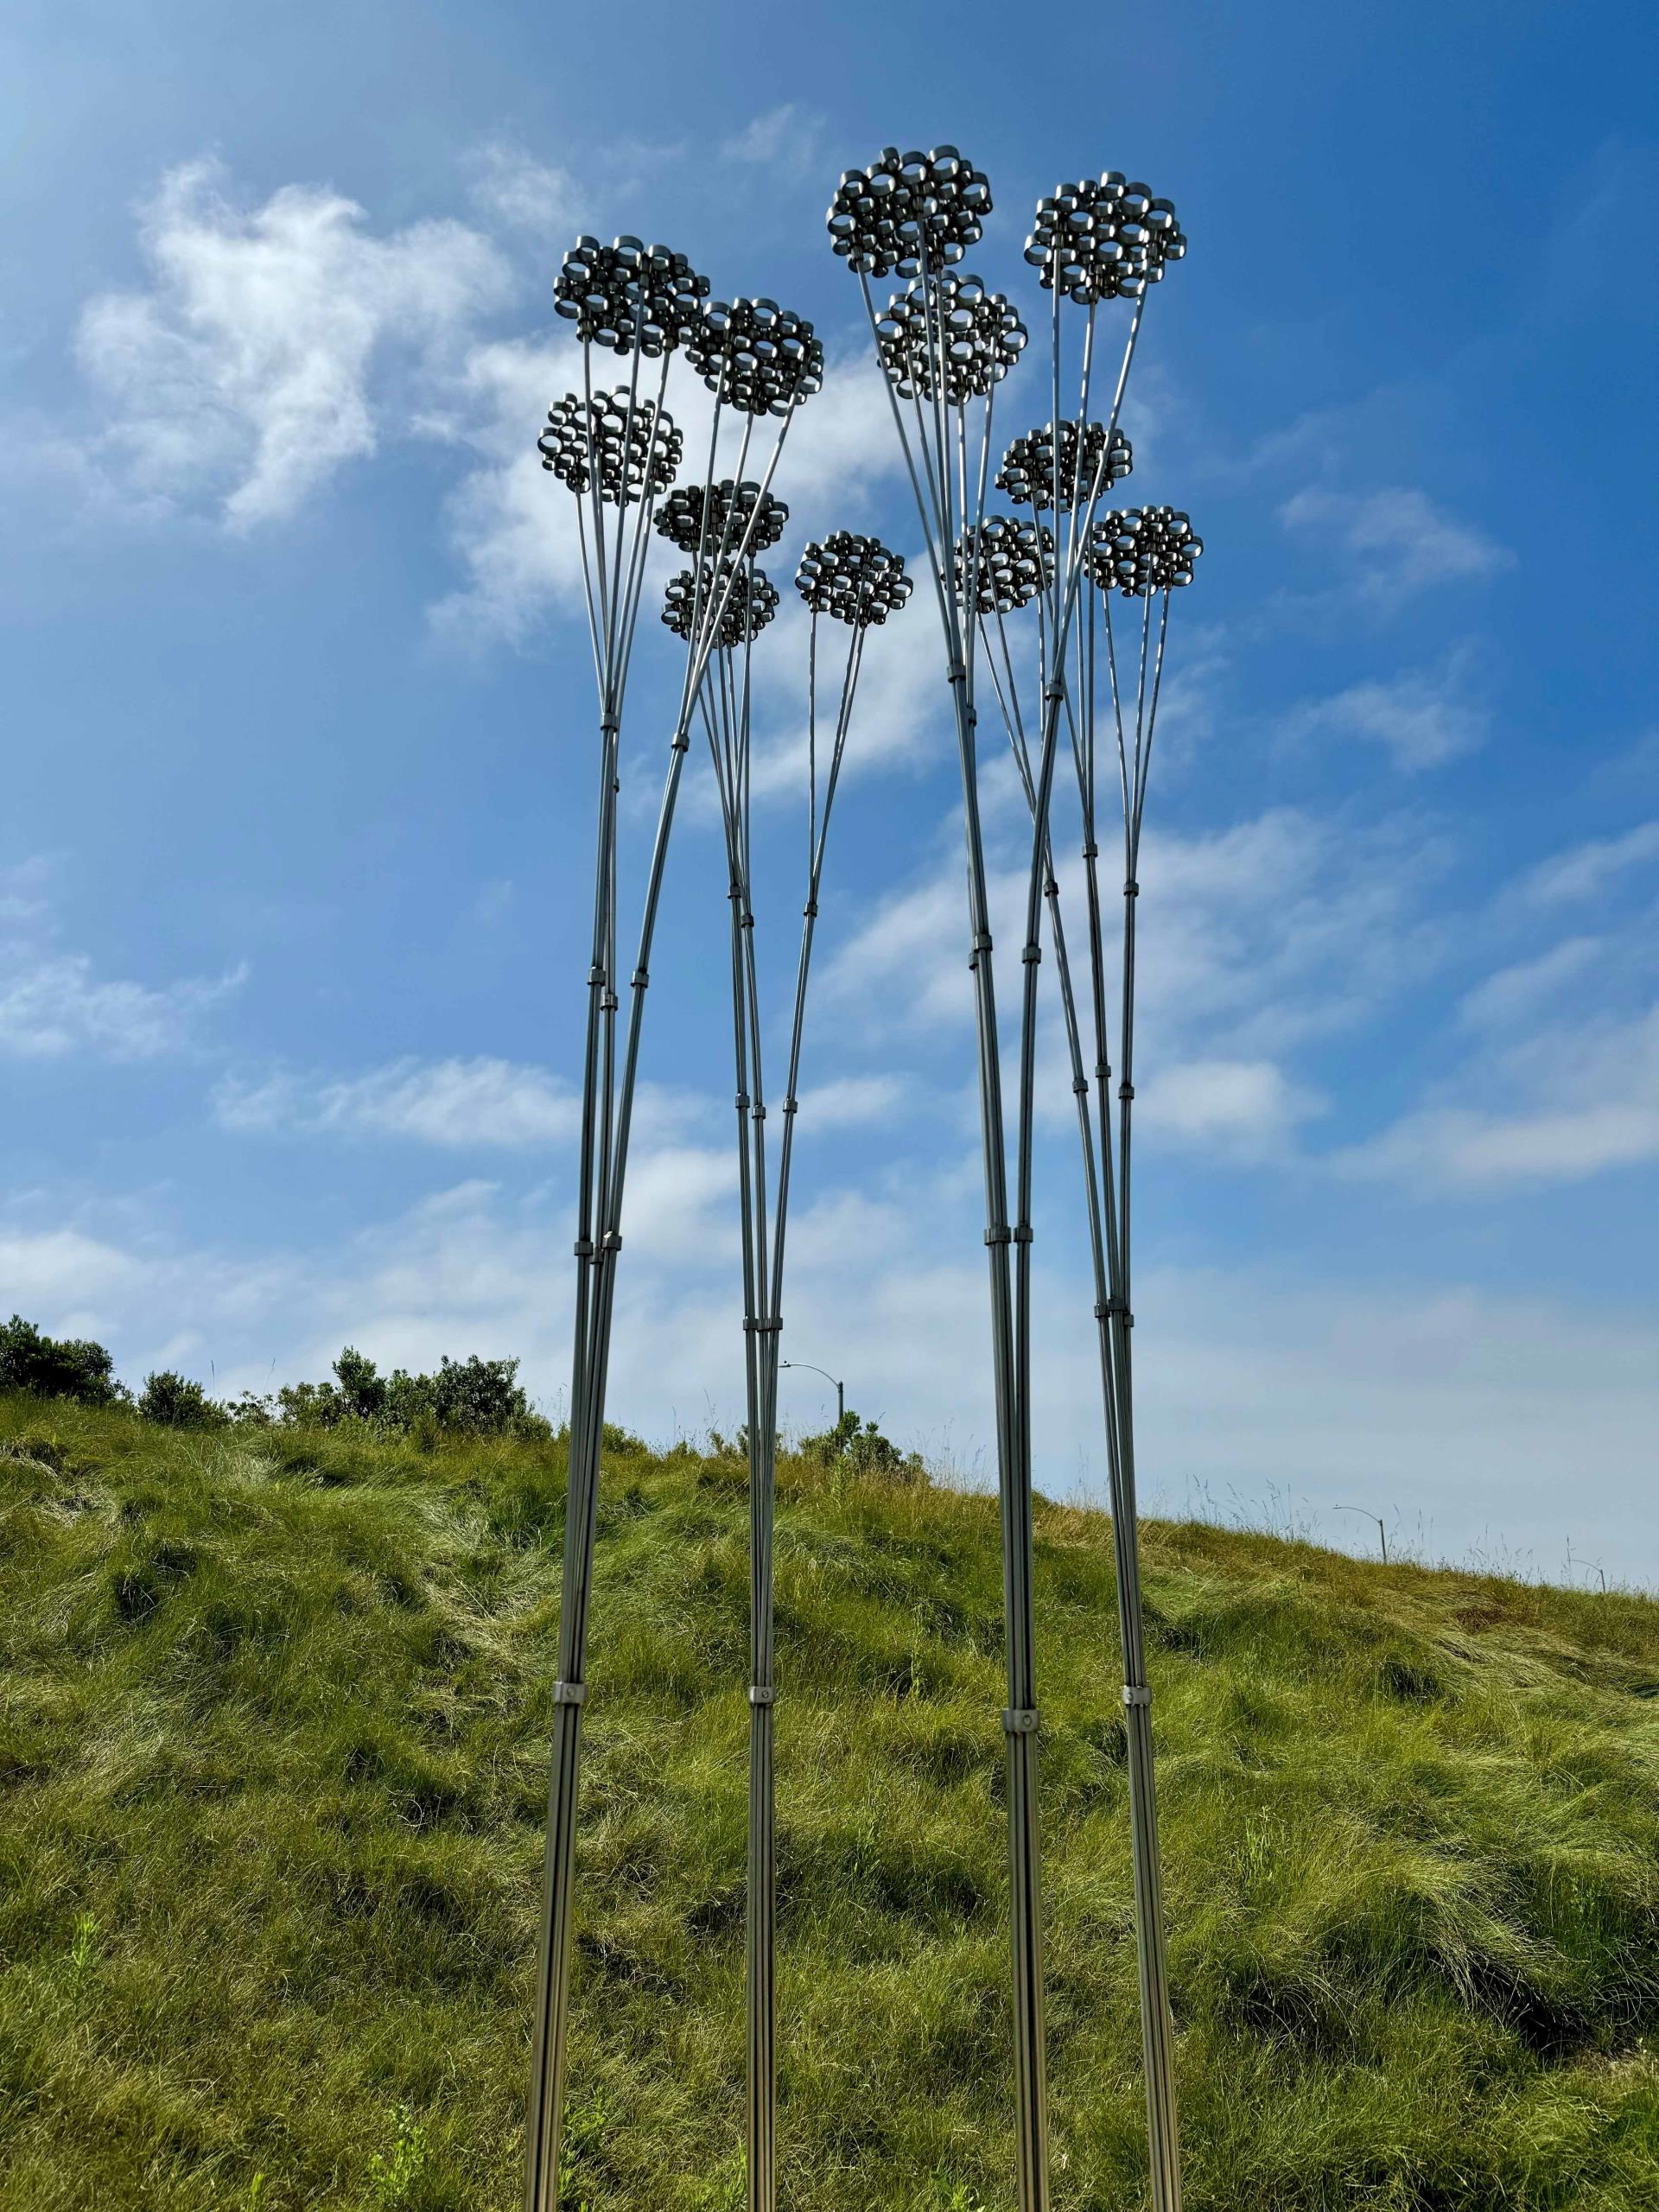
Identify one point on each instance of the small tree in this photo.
(860, 1446)
(67, 1366)
(173, 1401)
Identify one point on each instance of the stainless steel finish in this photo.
(619, 451)
(857, 581)
(944, 344)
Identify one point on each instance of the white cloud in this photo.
(1585, 870)
(852, 1101)
(1469, 1419)
(526, 195)
(454, 1103)
(1241, 1108)
(245, 375)
(1513, 993)
(786, 136)
(54, 1003)
(1422, 717)
(1401, 541)
(1585, 1099)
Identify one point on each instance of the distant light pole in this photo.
(840, 1388)
(1366, 1513)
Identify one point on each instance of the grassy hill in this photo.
(271, 1777)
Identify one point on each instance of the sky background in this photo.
(299, 734)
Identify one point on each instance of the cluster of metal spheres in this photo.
(626, 447)
(1104, 239)
(909, 211)
(1142, 550)
(953, 321)
(1034, 475)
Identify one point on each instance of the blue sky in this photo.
(295, 852)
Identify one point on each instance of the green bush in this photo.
(862, 1449)
(176, 1402)
(67, 1367)
(468, 1397)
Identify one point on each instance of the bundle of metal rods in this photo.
(944, 343)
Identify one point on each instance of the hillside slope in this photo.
(271, 1777)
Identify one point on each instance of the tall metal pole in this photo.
(616, 449)
(856, 580)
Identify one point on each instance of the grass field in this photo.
(271, 1794)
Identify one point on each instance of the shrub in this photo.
(173, 1401)
(469, 1397)
(67, 1366)
(860, 1446)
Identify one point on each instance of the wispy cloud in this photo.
(460, 1103)
(54, 1003)
(244, 375)
(1422, 718)
(1399, 542)
(1587, 870)
(785, 136)
(516, 189)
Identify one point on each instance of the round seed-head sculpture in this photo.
(629, 297)
(755, 356)
(712, 519)
(751, 599)
(908, 212)
(1104, 239)
(1141, 550)
(978, 335)
(1005, 562)
(1085, 466)
(630, 443)
(854, 580)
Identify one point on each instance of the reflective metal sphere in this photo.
(1016, 561)
(1028, 467)
(978, 333)
(629, 296)
(710, 520)
(909, 211)
(1141, 550)
(756, 356)
(637, 452)
(855, 579)
(1105, 240)
(753, 603)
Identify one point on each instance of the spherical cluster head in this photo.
(756, 356)
(1016, 562)
(692, 597)
(632, 444)
(628, 296)
(711, 521)
(1028, 467)
(909, 212)
(1141, 550)
(855, 579)
(978, 333)
(1104, 239)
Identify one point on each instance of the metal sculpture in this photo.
(1142, 553)
(857, 581)
(944, 344)
(619, 450)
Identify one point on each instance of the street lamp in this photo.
(840, 1388)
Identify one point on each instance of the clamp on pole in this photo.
(762, 1694)
(1020, 1720)
(1136, 1693)
(569, 1693)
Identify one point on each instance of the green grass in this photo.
(272, 1718)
